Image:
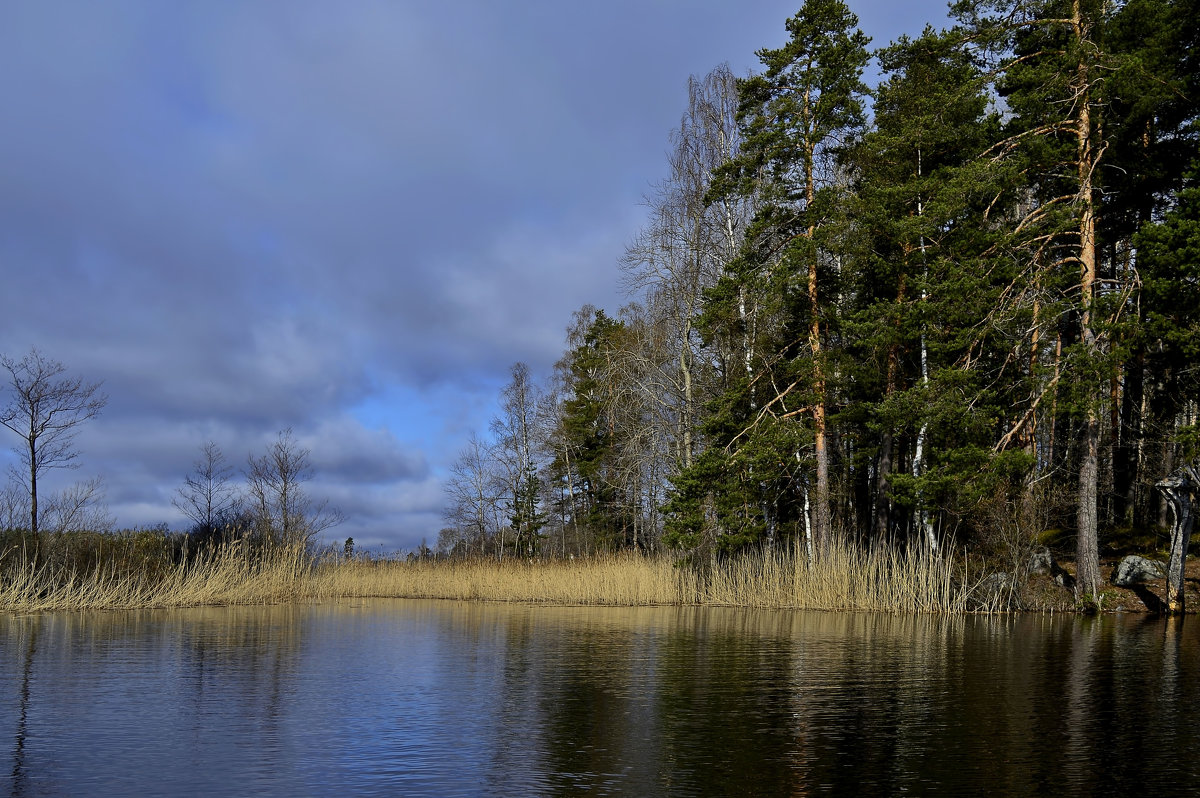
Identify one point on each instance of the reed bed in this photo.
(618, 579)
(227, 575)
(843, 577)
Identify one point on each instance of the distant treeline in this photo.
(960, 307)
(45, 407)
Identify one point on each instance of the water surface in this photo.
(389, 697)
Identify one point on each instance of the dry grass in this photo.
(230, 575)
(622, 580)
(844, 578)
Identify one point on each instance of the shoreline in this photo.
(844, 579)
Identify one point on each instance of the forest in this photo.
(956, 311)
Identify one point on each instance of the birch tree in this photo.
(515, 429)
(284, 512)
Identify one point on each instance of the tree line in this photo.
(962, 302)
(46, 407)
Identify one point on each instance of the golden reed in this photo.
(843, 578)
(226, 575)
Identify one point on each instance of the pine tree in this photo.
(917, 217)
(777, 293)
(589, 428)
(1151, 117)
(1051, 69)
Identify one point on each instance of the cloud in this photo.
(348, 219)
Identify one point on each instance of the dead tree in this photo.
(1180, 490)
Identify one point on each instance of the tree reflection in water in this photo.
(444, 698)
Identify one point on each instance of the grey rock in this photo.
(1135, 570)
(1041, 561)
(994, 592)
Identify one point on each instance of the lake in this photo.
(394, 697)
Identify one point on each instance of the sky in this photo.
(348, 219)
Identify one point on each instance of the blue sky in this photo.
(346, 218)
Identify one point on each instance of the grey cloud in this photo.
(244, 216)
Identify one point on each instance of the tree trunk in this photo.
(33, 508)
(883, 504)
(821, 444)
(685, 415)
(1179, 488)
(1130, 460)
(1087, 548)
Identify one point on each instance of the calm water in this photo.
(437, 698)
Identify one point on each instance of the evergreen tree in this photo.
(1169, 333)
(1051, 69)
(588, 425)
(777, 293)
(918, 218)
(1151, 118)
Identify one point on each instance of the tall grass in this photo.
(231, 574)
(618, 579)
(844, 577)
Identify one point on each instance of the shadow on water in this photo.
(445, 698)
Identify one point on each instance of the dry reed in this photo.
(618, 579)
(843, 578)
(227, 575)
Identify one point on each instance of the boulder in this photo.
(1135, 570)
(1041, 561)
(995, 593)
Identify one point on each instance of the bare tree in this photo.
(208, 497)
(45, 410)
(687, 244)
(79, 508)
(283, 511)
(473, 491)
(14, 506)
(515, 430)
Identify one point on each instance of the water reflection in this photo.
(440, 698)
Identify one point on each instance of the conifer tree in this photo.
(917, 217)
(1051, 67)
(794, 117)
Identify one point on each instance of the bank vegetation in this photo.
(895, 347)
(148, 569)
(871, 316)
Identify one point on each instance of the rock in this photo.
(995, 593)
(1135, 570)
(1041, 561)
